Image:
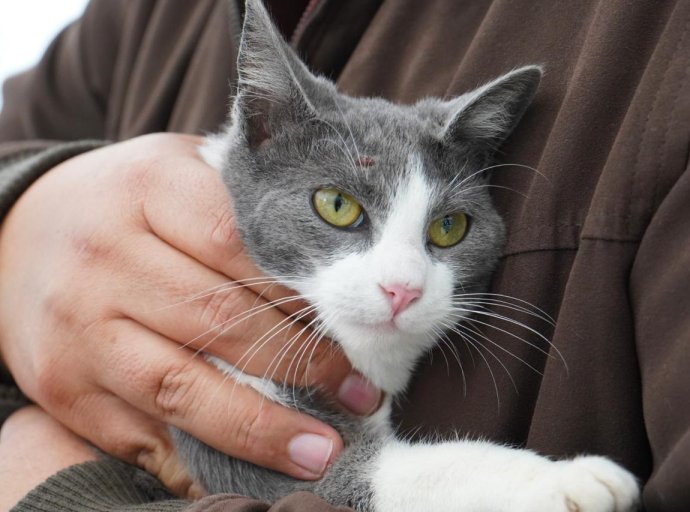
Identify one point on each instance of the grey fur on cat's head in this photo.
(292, 133)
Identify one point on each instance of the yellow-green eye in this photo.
(337, 208)
(448, 230)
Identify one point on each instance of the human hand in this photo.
(94, 256)
(34, 446)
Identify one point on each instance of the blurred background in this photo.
(27, 27)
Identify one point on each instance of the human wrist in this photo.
(24, 162)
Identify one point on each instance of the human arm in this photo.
(61, 393)
(34, 447)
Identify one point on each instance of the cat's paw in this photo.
(584, 484)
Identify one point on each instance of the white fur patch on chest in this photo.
(266, 387)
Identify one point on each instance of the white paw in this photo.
(584, 484)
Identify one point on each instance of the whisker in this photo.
(343, 150)
(444, 344)
(285, 349)
(342, 139)
(485, 303)
(228, 286)
(511, 321)
(488, 185)
(448, 343)
(314, 339)
(507, 299)
(268, 336)
(451, 185)
(237, 319)
(349, 129)
(474, 331)
(498, 359)
(491, 372)
(496, 166)
(319, 334)
(253, 350)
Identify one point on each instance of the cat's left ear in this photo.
(485, 117)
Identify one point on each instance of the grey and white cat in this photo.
(380, 215)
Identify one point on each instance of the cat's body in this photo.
(380, 216)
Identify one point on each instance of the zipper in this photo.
(304, 21)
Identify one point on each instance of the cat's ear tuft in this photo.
(485, 117)
(274, 87)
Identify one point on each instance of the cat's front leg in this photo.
(471, 476)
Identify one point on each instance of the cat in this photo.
(380, 214)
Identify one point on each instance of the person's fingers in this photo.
(199, 221)
(204, 215)
(177, 388)
(118, 428)
(229, 321)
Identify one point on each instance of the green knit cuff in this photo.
(19, 171)
(99, 486)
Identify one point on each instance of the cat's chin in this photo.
(382, 352)
(387, 329)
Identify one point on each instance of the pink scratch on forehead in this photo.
(365, 161)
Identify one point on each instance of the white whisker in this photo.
(237, 319)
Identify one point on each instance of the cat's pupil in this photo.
(447, 223)
(338, 202)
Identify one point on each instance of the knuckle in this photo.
(89, 250)
(218, 308)
(175, 391)
(140, 173)
(161, 460)
(67, 305)
(318, 365)
(151, 456)
(59, 308)
(251, 430)
(49, 385)
(59, 379)
(223, 235)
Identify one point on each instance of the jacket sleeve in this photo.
(65, 96)
(110, 485)
(52, 112)
(63, 99)
(660, 292)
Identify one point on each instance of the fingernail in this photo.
(358, 394)
(311, 451)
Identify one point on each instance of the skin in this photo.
(33, 446)
(96, 326)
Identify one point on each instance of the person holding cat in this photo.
(599, 241)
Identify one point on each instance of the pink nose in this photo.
(400, 296)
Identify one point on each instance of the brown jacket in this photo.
(600, 239)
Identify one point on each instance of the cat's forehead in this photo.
(380, 143)
(377, 122)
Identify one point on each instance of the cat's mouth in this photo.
(390, 327)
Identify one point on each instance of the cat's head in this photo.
(379, 214)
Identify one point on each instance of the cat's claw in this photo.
(583, 484)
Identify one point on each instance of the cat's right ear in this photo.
(482, 119)
(274, 88)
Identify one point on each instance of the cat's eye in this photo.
(337, 208)
(448, 230)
